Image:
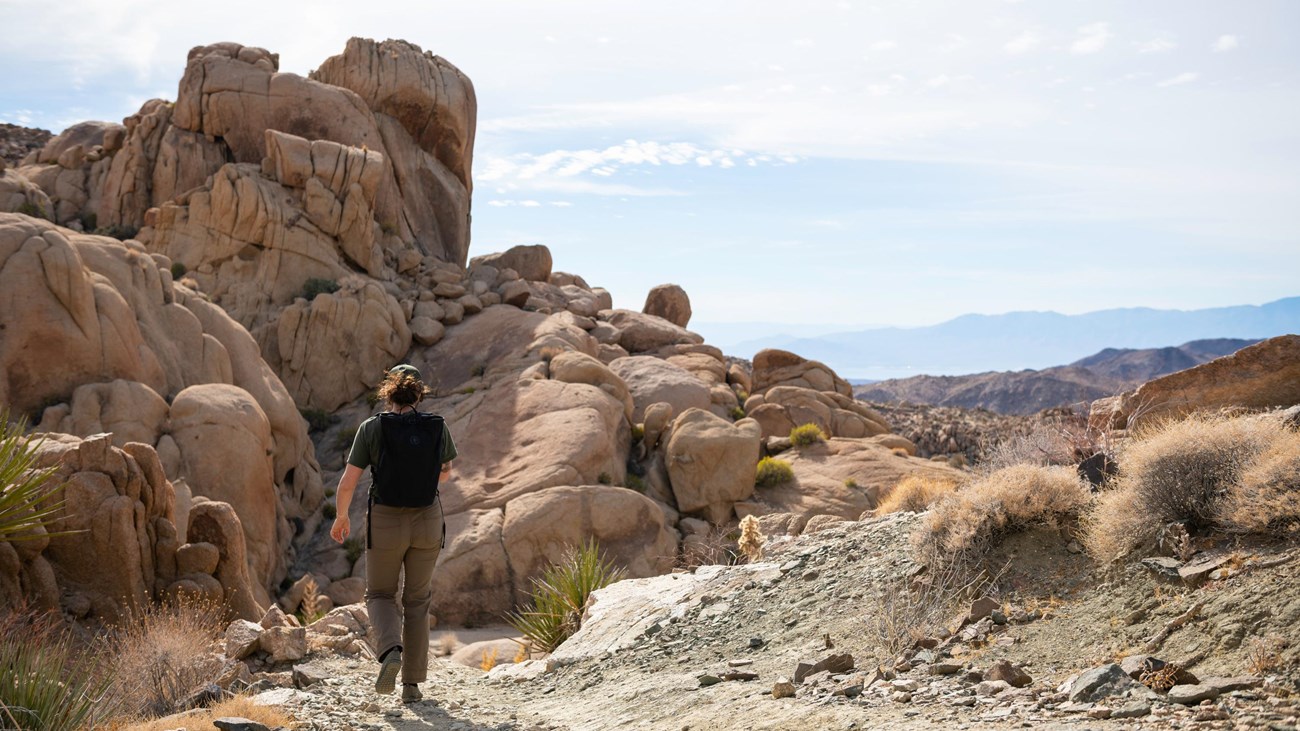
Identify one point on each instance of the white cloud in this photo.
(1023, 43)
(1225, 43)
(1186, 77)
(938, 81)
(885, 45)
(1092, 38)
(1156, 45)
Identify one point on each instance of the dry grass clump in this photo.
(239, 706)
(806, 435)
(907, 610)
(161, 655)
(1009, 499)
(915, 493)
(1238, 474)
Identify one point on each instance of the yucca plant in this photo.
(45, 683)
(24, 502)
(560, 594)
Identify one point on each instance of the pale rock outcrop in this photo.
(531, 263)
(840, 477)
(670, 302)
(782, 368)
(18, 194)
(629, 528)
(529, 435)
(781, 408)
(575, 367)
(652, 380)
(218, 524)
(641, 333)
(225, 443)
(472, 582)
(87, 311)
(711, 463)
(1262, 376)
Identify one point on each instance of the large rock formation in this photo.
(1261, 376)
(96, 331)
(113, 547)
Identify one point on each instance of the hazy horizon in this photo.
(848, 163)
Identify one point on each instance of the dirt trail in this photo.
(638, 665)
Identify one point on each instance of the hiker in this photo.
(407, 451)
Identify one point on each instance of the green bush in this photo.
(45, 683)
(178, 270)
(605, 479)
(354, 548)
(27, 208)
(25, 503)
(634, 482)
(806, 435)
(772, 472)
(638, 432)
(318, 420)
(343, 440)
(317, 286)
(559, 597)
(737, 413)
(89, 221)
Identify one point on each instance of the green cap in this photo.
(406, 369)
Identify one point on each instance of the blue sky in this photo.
(822, 162)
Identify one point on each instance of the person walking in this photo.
(407, 451)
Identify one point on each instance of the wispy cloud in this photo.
(1023, 43)
(1156, 45)
(1186, 77)
(1225, 43)
(1092, 38)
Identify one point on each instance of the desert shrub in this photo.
(25, 501)
(343, 440)
(1043, 445)
(311, 608)
(317, 286)
(329, 511)
(317, 419)
(772, 472)
(1206, 471)
(751, 539)
(47, 682)
(719, 546)
(638, 432)
(354, 548)
(27, 208)
(178, 270)
(1011, 498)
(806, 435)
(121, 233)
(852, 484)
(159, 655)
(909, 609)
(737, 413)
(633, 482)
(605, 478)
(560, 594)
(915, 493)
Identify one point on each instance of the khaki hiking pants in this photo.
(407, 539)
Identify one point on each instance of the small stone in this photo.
(1132, 710)
(1190, 695)
(901, 697)
(907, 685)
(992, 687)
(1100, 713)
(811, 574)
(706, 680)
(242, 638)
(945, 668)
(1015, 676)
(756, 642)
(981, 608)
(783, 688)
(235, 723)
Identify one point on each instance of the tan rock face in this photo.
(640, 333)
(782, 368)
(218, 524)
(629, 527)
(18, 193)
(711, 463)
(472, 582)
(98, 322)
(670, 302)
(652, 380)
(530, 263)
(823, 473)
(1264, 375)
(781, 408)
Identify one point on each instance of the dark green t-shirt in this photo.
(365, 446)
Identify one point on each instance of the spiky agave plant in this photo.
(46, 682)
(25, 503)
(560, 595)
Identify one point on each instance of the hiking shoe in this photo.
(411, 693)
(388, 670)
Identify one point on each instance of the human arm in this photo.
(343, 498)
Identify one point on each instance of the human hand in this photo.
(341, 528)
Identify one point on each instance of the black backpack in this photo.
(406, 475)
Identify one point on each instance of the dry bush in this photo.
(1267, 495)
(1009, 499)
(239, 706)
(1206, 471)
(911, 609)
(161, 655)
(1043, 445)
(446, 645)
(718, 547)
(751, 539)
(488, 660)
(1264, 654)
(915, 493)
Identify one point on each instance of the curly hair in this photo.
(402, 389)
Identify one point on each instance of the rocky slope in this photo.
(17, 142)
(1026, 392)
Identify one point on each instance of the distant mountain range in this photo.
(1025, 392)
(1018, 340)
